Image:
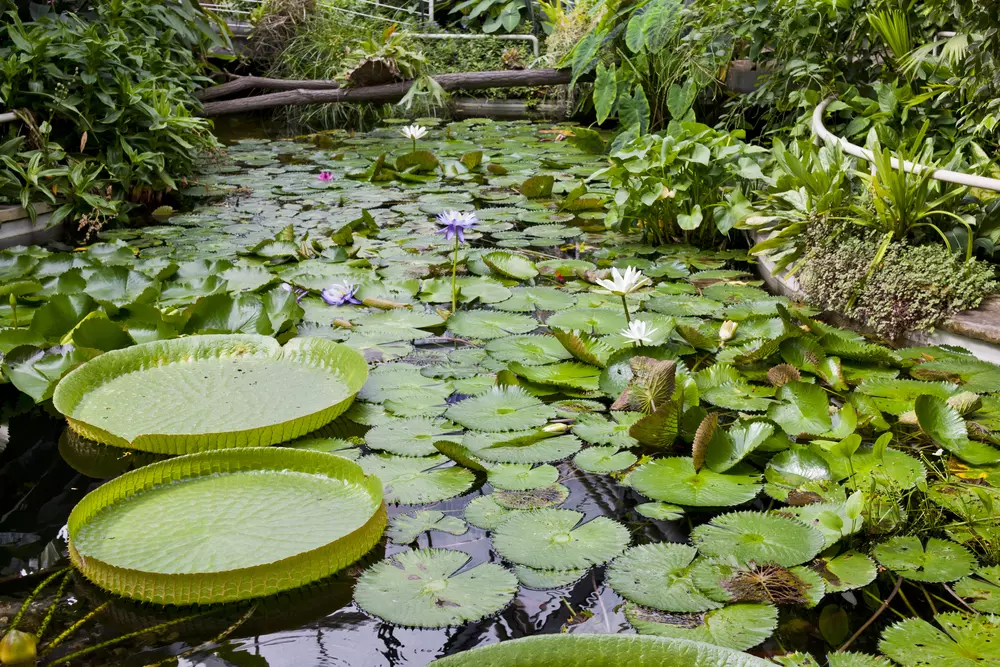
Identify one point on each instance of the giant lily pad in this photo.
(227, 525)
(207, 392)
(420, 588)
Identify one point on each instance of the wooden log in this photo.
(391, 92)
(239, 84)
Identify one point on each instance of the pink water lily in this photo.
(325, 176)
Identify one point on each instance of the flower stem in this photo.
(628, 319)
(454, 272)
(414, 145)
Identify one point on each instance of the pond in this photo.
(261, 218)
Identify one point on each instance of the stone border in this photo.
(16, 227)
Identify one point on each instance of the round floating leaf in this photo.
(595, 321)
(550, 540)
(547, 579)
(501, 409)
(231, 525)
(408, 437)
(600, 431)
(511, 265)
(420, 588)
(530, 299)
(405, 528)
(847, 571)
(603, 460)
(673, 480)
(489, 324)
(937, 561)
(658, 576)
(153, 396)
(521, 477)
(570, 374)
(414, 481)
(759, 538)
(484, 512)
(834, 520)
(740, 396)
(962, 641)
(532, 499)
(735, 626)
(521, 446)
(660, 511)
(582, 650)
(804, 409)
(983, 590)
(530, 350)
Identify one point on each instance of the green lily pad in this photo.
(521, 477)
(501, 409)
(547, 579)
(674, 480)
(551, 539)
(533, 499)
(604, 460)
(595, 321)
(657, 576)
(943, 424)
(600, 431)
(962, 641)
(511, 265)
(936, 561)
(660, 511)
(417, 480)
(570, 374)
(484, 512)
(236, 524)
(529, 350)
(804, 409)
(735, 626)
(261, 393)
(759, 538)
(846, 571)
(982, 590)
(487, 325)
(421, 588)
(408, 437)
(530, 299)
(521, 446)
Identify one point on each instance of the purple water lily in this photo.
(340, 295)
(325, 176)
(299, 292)
(454, 224)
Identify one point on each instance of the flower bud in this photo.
(727, 330)
(556, 428)
(18, 648)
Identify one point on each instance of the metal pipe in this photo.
(956, 177)
(369, 16)
(8, 117)
(444, 35)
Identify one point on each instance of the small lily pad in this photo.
(414, 481)
(674, 480)
(532, 499)
(405, 528)
(657, 576)
(554, 539)
(936, 561)
(603, 460)
(521, 477)
(735, 626)
(759, 538)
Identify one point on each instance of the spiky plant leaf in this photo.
(759, 538)
(501, 409)
(551, 539)
(420, 588)
(530, 350)
(657, 576)
(414, 481)
(735, 626)
(936, 561)
(849, 349)
(652, 383)
(490, 324)
(408, 437)
(704, 434)
(547, 579)
(406, 528)
(674, 480)
(975, 375)
(658, 429)
(782, 374)
(260, 392)
(584, 347)
(962, 641)
(532, 499)
(484, 512)
(521, 477)
(580, 650)
(704, 336)
(603, 460)
(945, 426)
(236, 524)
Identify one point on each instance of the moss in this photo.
(914, 287)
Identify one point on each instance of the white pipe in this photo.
(7, 117)
(444, 35)
(956, 177)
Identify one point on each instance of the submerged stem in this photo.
(31, 598)
(885, 603)
(55, 603)
(73, 628)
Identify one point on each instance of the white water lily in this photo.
(727, 330)
(624, 283)
(414, 132)
(639, 332)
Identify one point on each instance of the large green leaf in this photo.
(658, 576)
(417, 480)
(962, 641)
(735, 626)
(207, 392)
(936, 561)
(581, 650)
(501, 409)
(232, 525)
(414, 436)
(804, 409)
(487, 324)
(943, 424)
(552, 539)
(755, 537)
(530, 350)
(674, 480)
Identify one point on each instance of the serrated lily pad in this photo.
(229, 525)
(405, 528)
(408, 437)
(603, 460)
(551, 539)
(533, 499)
(487, 324)
(484, 512)
(261, 393)
(547, 579)
(982, 591)
(735, 626)
(674, 480)
(759, 538)
(936, 561)
(657, 576)
(521, 477)
(416, 480)
(529, 350)
(420, 588)
(962, 641)
(501, 409)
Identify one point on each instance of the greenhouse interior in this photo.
(500, 333)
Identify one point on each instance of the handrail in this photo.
(945, 175)
(446, 35)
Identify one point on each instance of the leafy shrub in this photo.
(114, 85)
(914, 287)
